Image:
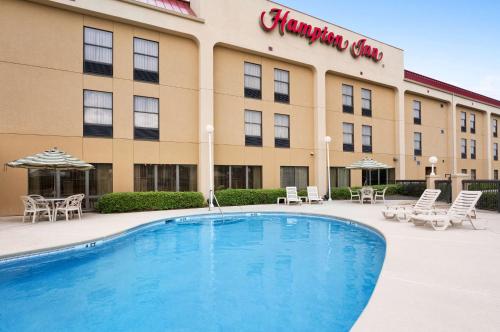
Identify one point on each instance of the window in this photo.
(495, 151)
(378, 177)
(472, 149)
(97, 113)
(417, 144)
(237, 177)
(366, 102)
(146, 118)
(93, 183)
(165, 178)
(347, 99)
(417, 112)
(464, 171)
(97, 52)
(495, 174)
(281, 86)
(253, 85)
(494, 123)
(348, 134)
(340, 177)
(294, 177)
(473, 174)
(253, 128)
(281, 131)
(146, 55)
(473, 123)
(367, 139)
(463, 148)
(463, 122)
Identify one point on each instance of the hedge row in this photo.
(488, 201)
(149, 201)
(237, 197)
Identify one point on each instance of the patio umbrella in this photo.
(368, 164)
(52, 159)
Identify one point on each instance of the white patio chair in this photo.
(366, 194)
(460, 211)
(355, 194)
(292, 196)
(313, 195)
(71, 205)
(380, 195)
(32, 207)
(424, 204)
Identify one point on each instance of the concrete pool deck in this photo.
(430, 281)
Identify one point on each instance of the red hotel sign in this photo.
(282, 21)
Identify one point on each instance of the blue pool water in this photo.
(264, 272)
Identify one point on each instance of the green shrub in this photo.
(149, 201)
(488, 201)
(236, 197)
(414, 189)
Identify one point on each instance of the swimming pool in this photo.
(248, 272)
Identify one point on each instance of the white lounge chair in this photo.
(460, 211)
(380, 195)
(31, 206)
(292, 196)
(424, 204)
(72, 204)
(354, 195)
(313, 195)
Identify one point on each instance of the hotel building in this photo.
(131, 85)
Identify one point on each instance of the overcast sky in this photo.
(455, 41)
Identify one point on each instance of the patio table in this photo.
(52, 202)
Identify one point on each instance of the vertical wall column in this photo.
(454, 133)
(320, 129)
(206, 112)
(401, 134)
(489, 146)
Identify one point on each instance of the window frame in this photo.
(494, 123)
(366, 111)
(142, 133)
(155, 79)
(346, 108)
(86, 69)
(463, 148)
(472, 119)
(473, 149)
(463, 121)
(281, 142)
(246, 171)
(367, 148)
(251, 140)
(417, 152)
(295, 175)
(247, 91)
(95, 129)
(156, 177)
(417, 120)
(495, 151)
(346, 147)
(279, 97)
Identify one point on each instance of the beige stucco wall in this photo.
(383, 119)
(230, 104)
(436, 133)
(480, 163)
(41, 95)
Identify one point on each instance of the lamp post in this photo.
(433, 160)
(210, 131)
(328, 139)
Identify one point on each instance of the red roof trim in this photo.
(409, 75)
(179, 6)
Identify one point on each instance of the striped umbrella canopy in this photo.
(368, 164)
(51, 159)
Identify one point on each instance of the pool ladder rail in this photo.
(218, 205)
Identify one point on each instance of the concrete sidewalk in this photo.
(430, 281)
